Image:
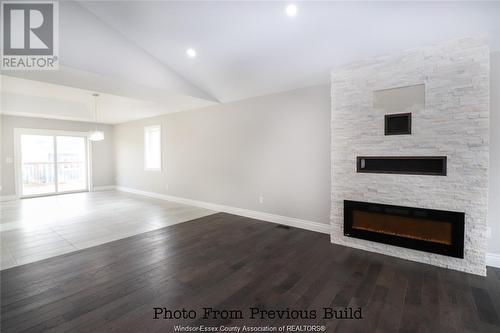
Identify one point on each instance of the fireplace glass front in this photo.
(429, 230)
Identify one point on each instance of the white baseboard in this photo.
(290, 221)
(8, 197)
(493, 260)
(103, 188)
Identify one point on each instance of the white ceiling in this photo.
(251, 48)
(134, 51)
(40, 99)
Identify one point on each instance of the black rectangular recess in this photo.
(411, 165)
(398, 124)
(456, 219)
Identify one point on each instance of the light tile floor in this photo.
(39, 228)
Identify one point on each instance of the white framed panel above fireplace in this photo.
(452, 81)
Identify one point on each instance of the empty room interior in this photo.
(250, 166)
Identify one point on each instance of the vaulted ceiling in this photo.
(137, 49)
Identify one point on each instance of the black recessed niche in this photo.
(411, 165)
(398, 124)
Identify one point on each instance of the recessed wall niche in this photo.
(397, 124)
(409, 165)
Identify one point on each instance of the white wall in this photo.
(275, 146)
(102, 152)
(494, 194)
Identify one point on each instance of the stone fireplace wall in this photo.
(453, 120)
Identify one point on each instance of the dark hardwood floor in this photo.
(230, 262)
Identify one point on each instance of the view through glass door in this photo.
(71, 163)
(52, 164)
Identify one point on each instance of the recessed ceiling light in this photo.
(291, 10)
(191, 53)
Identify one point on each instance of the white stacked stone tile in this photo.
(454, 122)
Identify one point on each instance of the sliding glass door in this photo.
(38, 165)
(51, 164)
(71, 164)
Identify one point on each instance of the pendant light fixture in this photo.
(96, 135)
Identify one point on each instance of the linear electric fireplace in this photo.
(429, 230)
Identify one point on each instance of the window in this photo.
(152, 147)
